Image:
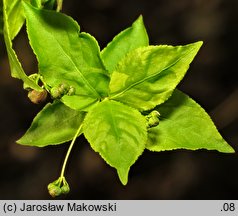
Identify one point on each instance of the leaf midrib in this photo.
(114, 124)
(11, 10)
(93, 90)
(151, 76)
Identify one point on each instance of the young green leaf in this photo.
(185, 125)
(66, 56)
(79, 102)
(127, 40)
(15, 16)
(82, 100)
(147, 76)
(9, 32)
(118, 133)
(54, 124)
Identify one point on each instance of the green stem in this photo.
(68, 152)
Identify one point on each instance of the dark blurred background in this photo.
(211, 81)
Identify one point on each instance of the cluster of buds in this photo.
(40, 96)
(61, 90)
(58, 187)
(152, 119)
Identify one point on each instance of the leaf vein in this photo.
(93, 90)
(151, 76)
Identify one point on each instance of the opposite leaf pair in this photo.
(113, 92)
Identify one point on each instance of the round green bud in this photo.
(54, 190)
(37, 96)
(71, 91)
(153, 121)
(55, 93)
(65, 189)
(63, 88)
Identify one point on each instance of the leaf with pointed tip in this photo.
(9, 32)
(147, 76)
(185, 125)
(54, 124)
(67, 56)
(118, 133)
(126, 41)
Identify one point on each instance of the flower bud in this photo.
(71, 91)
(54, 190)
(65, 189)
(37, 96)
(63, 88)
(55, 93)
(58, 187)
(153, 119)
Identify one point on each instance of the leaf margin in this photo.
(184, 99)
(87, 126)
(119, 40)
(117, 95)
(41, 120)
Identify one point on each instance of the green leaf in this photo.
(54, 124)
(66, 56)
(16, 68)
(118, 133)
(79, 102)
(128, 40)
(15, 15)
(185, 125)
(147, 76)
